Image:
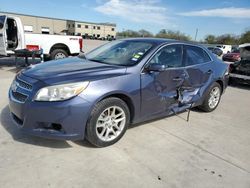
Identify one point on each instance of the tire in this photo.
(58, 54)
(104, 114)
(207, 105)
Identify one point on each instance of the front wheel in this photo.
(212, 98)
(108, 122)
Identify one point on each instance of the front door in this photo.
(159, 89)
(3, 39)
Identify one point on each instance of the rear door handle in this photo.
(177, 79)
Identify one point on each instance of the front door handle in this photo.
(177, 79)
(209, 71)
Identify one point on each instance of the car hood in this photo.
(72, 69)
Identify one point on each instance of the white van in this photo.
(13, 37)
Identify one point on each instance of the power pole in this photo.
(196, 33)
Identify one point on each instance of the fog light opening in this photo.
(56, 126)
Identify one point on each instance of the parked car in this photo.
(225, 48)
(13, 37)
(240, 71)
(120, 83)
(232, 57)
(216, 51)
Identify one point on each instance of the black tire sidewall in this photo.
(98, 109)
(205, 106)
(55, 51)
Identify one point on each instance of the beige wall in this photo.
(56, 26)
(92, 29)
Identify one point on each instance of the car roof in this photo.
(160, 41)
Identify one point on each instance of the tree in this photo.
(173, 35)
(227, 39)
(245, 37)
(145, 33)
(210, 39)
(128, 33)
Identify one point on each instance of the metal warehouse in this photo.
(47, 25)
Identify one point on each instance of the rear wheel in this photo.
(108, 122)
(212, 98)
(58, 54)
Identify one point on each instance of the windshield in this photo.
(125, 53)
(236, 51)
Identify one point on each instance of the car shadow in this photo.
(240, 86)
(10, 62)
(181, 115)
(18, 136)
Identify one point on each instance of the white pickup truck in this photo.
(13, 37)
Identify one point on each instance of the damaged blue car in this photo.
(96, 96)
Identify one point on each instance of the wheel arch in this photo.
(221, 85)
(60, 46)
(126, 99)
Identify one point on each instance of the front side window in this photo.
(125, 53)
(195, 55)
(2, 21)
(170, 56)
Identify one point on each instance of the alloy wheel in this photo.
(110, 123)
(214, 97)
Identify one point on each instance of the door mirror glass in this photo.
(156, 67)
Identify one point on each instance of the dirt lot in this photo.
(211, 150)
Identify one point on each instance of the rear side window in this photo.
(196, 55)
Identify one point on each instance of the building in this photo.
(47, 25)
(87, 29)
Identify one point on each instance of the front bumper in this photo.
(64, 120)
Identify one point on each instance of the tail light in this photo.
(80, 44)
(32, 47)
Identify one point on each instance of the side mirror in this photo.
(156, 67)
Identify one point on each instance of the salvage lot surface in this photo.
(211, 150)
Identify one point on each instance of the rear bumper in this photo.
(244, 79)
(230, 59)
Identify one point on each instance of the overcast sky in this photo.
(209, 16)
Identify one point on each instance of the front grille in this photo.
(24, 84)
(19, 96)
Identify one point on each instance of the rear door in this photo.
(199, 71)
(3, 39)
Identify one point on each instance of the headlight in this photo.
(60, 92)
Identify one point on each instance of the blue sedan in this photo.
(97, 96)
